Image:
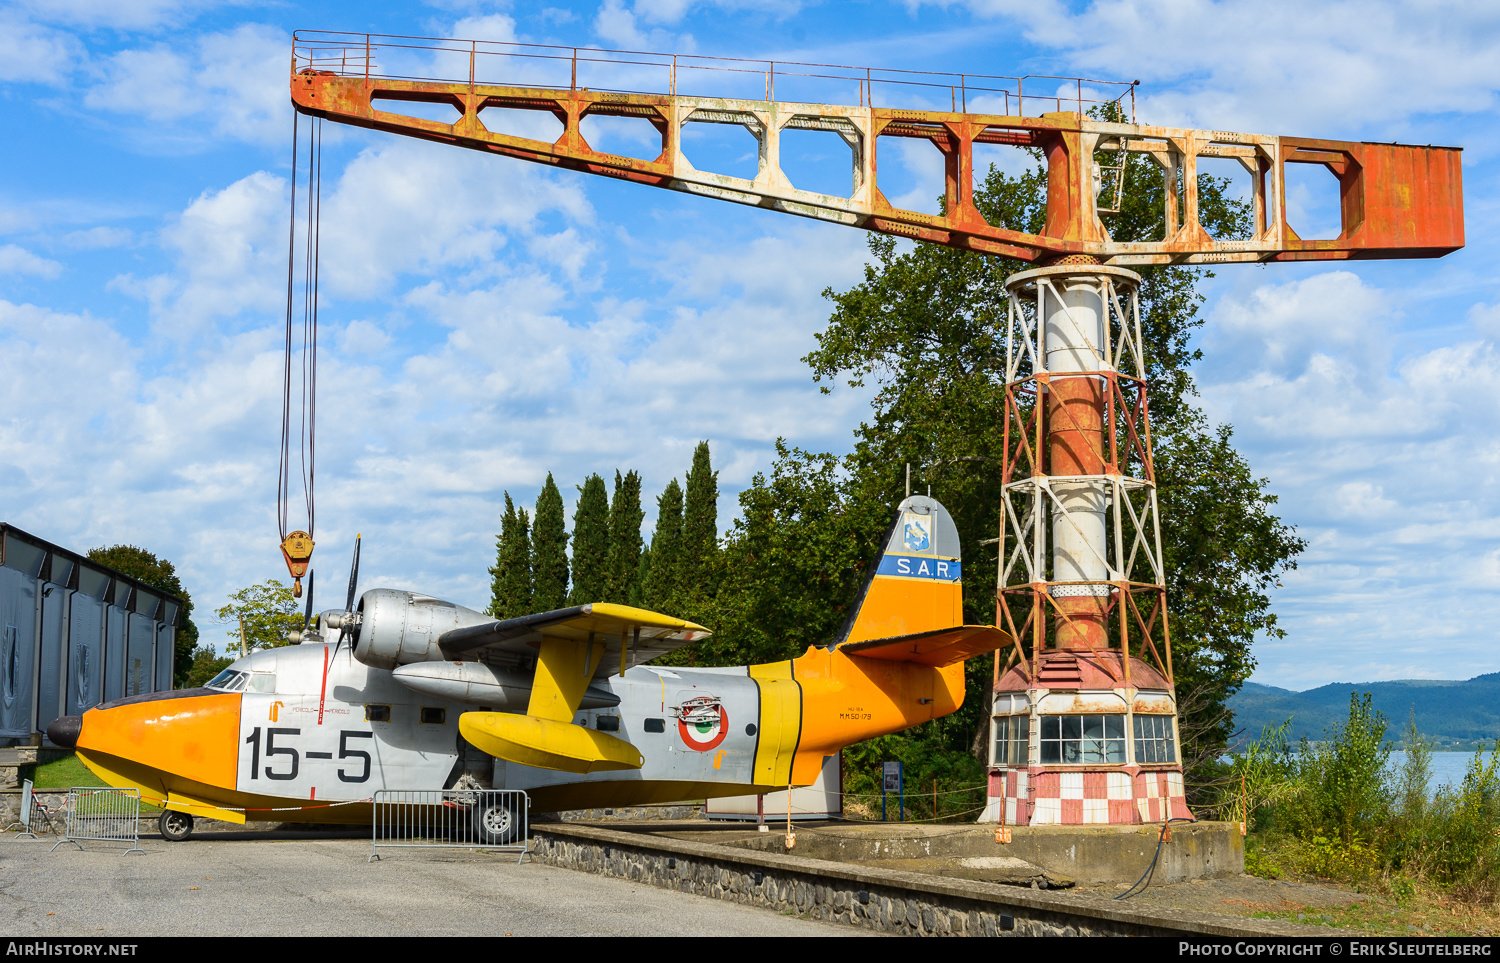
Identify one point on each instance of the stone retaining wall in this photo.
(889, 901)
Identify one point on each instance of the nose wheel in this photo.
(174, 826)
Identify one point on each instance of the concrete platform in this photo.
(1051, 856)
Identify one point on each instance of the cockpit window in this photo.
(229, 681)
(262, 682)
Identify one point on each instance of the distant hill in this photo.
(1457, 714)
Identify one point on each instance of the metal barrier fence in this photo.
(450, 819)
(112, 815)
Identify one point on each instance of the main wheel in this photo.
(496, 823)
(175, 826)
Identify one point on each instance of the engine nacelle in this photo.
(400, 628)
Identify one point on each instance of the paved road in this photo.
(280, 884)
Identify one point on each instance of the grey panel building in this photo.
(73, 634)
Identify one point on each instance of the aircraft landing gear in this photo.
(175, 826)
(496, 823)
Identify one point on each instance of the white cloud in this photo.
(18, 260)
(1331, 69)
(30, 52)
(1385, 459)
(231, 84)
(122, 14)
(98, 237)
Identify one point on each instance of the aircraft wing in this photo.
(643, 635)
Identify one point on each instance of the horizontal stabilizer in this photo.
(936, 648)
(546, 743)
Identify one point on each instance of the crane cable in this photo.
(297, 545)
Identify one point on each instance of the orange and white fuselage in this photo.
(311, 732)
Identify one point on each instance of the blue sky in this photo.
(486, 321)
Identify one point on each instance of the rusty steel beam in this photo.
(1396, 201)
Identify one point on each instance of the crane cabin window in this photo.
(1011, 735)
(1154, 739)
(1082, 739)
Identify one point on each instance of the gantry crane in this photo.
(1085, 730)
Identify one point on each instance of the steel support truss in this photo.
(1074, 332)
(1395, 200)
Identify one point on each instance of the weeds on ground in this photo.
(1331, 812)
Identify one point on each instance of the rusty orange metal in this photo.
(1397, 201)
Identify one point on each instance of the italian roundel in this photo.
(702, 723)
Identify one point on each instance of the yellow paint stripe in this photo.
(178, 802)
(780, 723)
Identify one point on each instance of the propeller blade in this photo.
(353, 576)
(349, 603)
(307, 616)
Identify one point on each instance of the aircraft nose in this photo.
(64, 730)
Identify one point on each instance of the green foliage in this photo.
(1261, 778)
(590, 543)
(700, 531)
(157, 573)
(510, 579)
(623, 569)
(549, 551)
(792, 564)
(661, 581)
(1344, 793)
(207, 663)
(1333, 810)
(266, 611)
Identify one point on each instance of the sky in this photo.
(486, 321)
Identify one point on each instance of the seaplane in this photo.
(418, 693)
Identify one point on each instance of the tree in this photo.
(665, 554)
(590, 543)
(624, 560)
(510, 579)
(549, 551)
(700, 530)
(207, 663)
(267, 611)
(927, 326)
(157, 573)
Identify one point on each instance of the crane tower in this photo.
(1085, 712)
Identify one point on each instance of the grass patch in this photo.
(64, 773)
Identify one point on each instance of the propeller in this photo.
(345, 627)
(307, 617)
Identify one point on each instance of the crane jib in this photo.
(1396, 201)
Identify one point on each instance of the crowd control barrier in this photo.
(450, 819)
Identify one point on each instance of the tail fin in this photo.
(916, 586)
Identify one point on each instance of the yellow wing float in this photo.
(571, 646)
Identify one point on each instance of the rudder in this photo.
(917, 583)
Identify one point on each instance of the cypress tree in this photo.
(510, 584)
(700, 528)
(549, 551)
(625, 539)
(666, 550)
(590, 543)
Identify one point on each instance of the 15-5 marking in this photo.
(290, 758)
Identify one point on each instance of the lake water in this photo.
(1448, 768)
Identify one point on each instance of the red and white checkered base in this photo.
(1068, 797)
